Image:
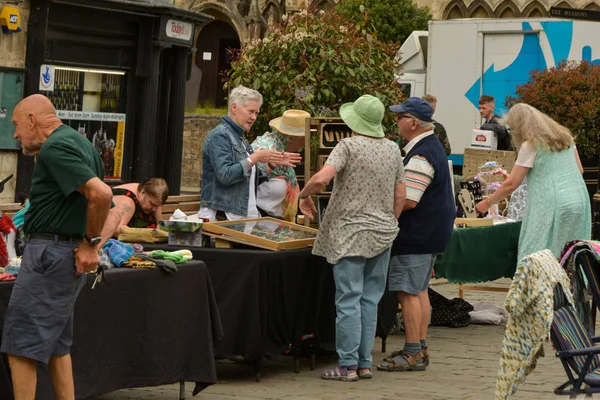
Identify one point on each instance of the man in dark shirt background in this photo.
(487, 105)
(439, 131)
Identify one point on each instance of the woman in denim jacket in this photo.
(229, 165)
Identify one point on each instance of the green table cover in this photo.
(480, 254)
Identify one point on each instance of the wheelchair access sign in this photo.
(10, 19)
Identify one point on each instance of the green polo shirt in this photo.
(66, 162)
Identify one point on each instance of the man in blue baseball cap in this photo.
(426, 225)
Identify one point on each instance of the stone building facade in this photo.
(12, 55)
(237, 21)
(452, 9)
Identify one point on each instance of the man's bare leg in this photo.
(411, 315)
(24, 377)
(425, 313)
(61, 373)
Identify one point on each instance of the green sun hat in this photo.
(364, 116)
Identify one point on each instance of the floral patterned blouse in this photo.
(360, 220)
(277, 142)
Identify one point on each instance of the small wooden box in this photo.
(474, 222)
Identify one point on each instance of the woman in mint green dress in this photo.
(558, 205)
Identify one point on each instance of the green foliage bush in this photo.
(316, 62)
(388, 20)
(570, 94)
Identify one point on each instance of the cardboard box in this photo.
(484, 140)
(474, 158)
(183, 233)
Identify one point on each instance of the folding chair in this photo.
(575, 348)
(586, 260)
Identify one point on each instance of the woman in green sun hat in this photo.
(358, 229)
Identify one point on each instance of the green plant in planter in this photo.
(316, 62)
(570, 94)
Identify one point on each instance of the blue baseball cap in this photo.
(417, 107)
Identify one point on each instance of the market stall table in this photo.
(137, 328)
(480, 254)
(271, 299)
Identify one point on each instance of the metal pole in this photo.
(182, 390)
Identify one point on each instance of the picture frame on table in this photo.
(266, 233)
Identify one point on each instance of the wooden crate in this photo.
(331, 133)
(328, 132)
(474, 158)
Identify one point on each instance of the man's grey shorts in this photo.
(39, 318)
(410, 273)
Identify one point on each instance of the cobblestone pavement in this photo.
(464, 365)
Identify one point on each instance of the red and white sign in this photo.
(179, 29)
(484, 140)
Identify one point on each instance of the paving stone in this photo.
(464, 366)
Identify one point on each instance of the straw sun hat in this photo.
(291, 123)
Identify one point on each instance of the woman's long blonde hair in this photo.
(527, 123)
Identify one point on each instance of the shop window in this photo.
(11, 92)
(77, 89)
(92, 102)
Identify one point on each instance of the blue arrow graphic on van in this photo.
(503, 83)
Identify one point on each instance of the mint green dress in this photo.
(558, 204)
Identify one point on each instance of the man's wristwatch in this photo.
(93, 241)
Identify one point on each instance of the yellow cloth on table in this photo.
(143, 235)
(136, 262)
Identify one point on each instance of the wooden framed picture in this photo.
(267, 233)
(331, 133)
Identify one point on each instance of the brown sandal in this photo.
(410, 363)
(397, 353)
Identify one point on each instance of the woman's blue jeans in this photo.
(359, 285)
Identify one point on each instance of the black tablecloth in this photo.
(138, 328)
(269, 299)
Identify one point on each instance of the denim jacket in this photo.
(226, 170)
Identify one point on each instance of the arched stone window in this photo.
(563, 4)
(535, 9)
(592, 6)
(271, 14)
(455, 9)
(507, 9)
(479, 9)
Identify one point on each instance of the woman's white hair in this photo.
(527, 123)
(241, 95)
